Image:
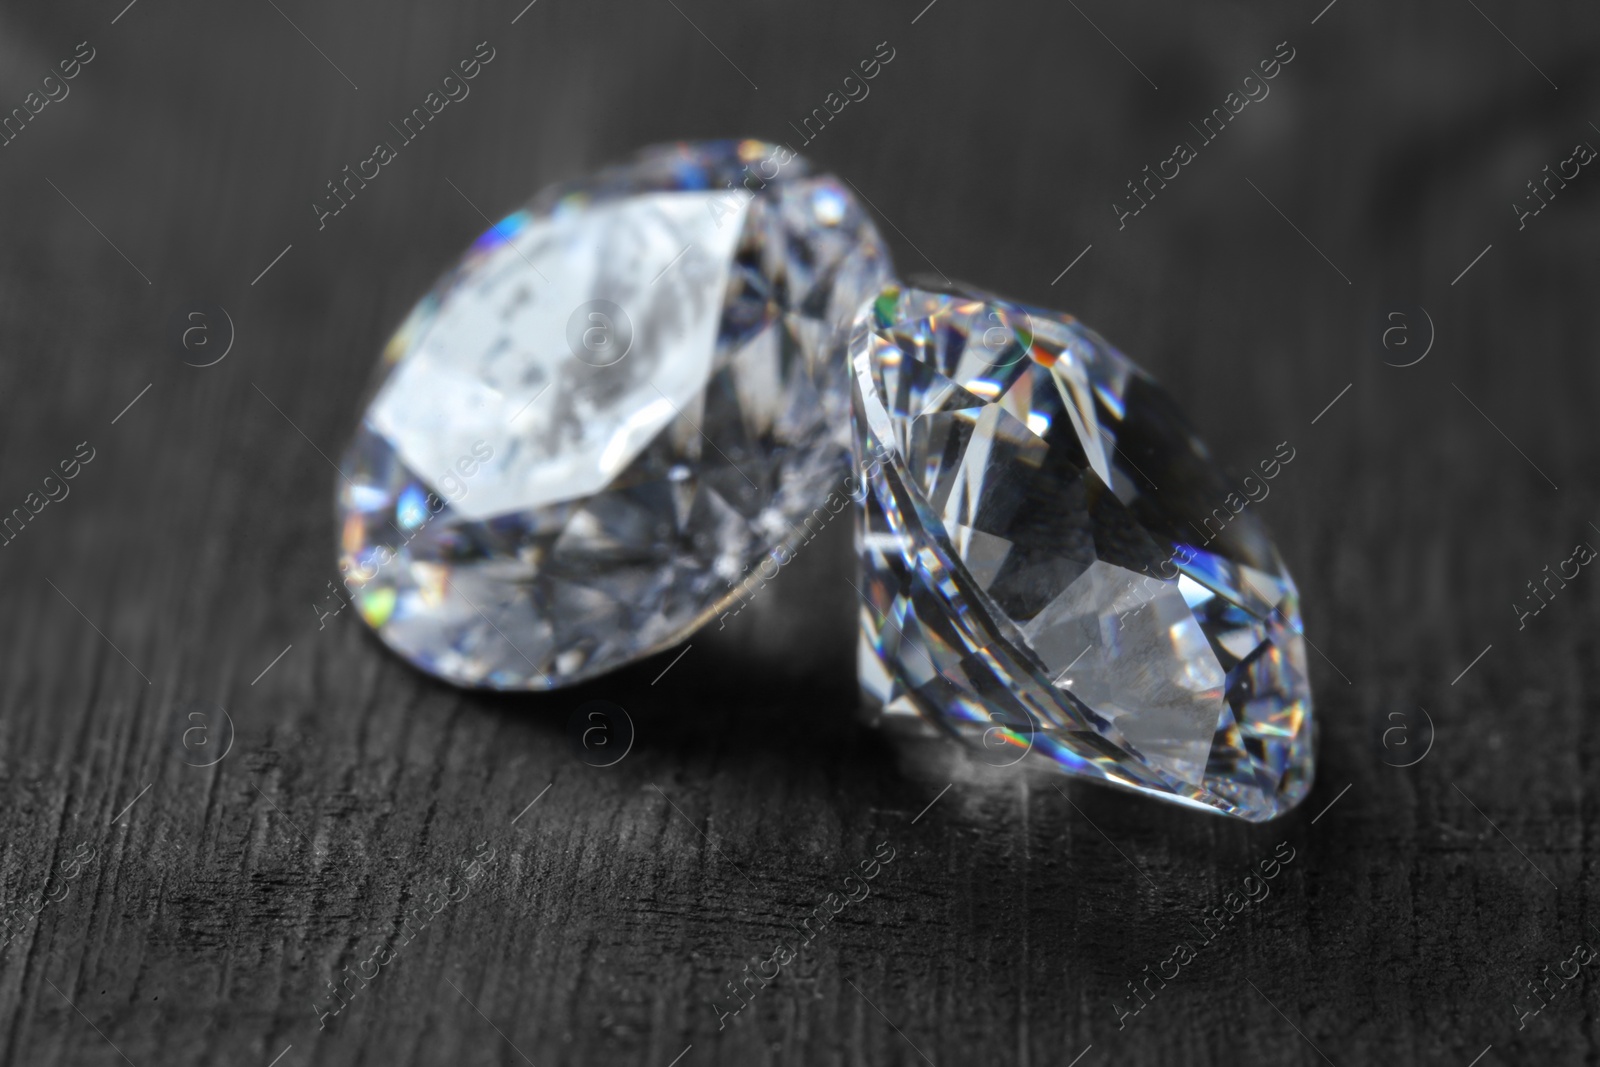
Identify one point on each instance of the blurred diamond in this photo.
(1055, 568)
(621, 399)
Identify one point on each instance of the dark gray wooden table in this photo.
(161, 913)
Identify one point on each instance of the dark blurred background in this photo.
(159, 911)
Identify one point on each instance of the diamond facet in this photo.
(1055, 567)
(620, 399)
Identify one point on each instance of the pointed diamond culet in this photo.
(619, 401)
(1056, 569)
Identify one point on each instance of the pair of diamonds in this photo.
(634, 390)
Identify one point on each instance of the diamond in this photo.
(618, 401)
(1055, 568)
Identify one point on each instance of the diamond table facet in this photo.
(623, 397)
(1055, 567)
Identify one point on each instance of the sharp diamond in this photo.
(1055, 567)
(622, 398)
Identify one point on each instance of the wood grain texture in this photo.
(201, 912)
